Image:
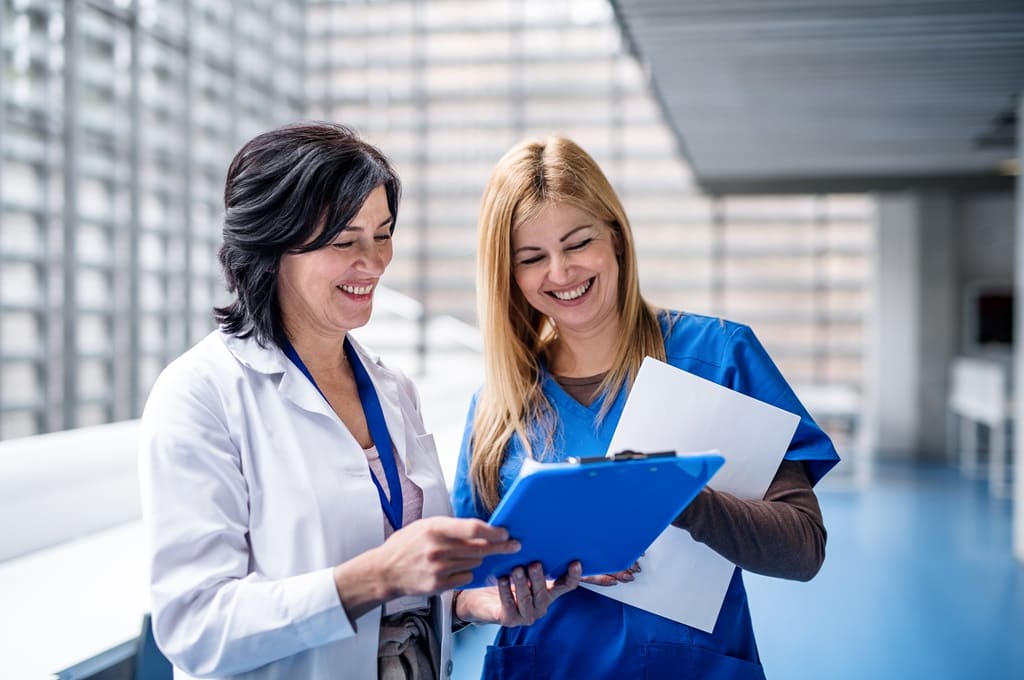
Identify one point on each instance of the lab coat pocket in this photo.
(422, 459)
(667, 660)
(427, 444)
(517, 662)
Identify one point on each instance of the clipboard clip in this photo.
(628, 454)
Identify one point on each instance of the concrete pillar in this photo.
(938, 318)
(892, 389)
(914, 337)
(1018, 353)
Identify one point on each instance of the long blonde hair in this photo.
(529, 177)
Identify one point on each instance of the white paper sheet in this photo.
(668, 408)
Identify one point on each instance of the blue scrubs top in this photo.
(587, 635)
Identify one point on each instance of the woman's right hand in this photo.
(425, 557)
(436, 554)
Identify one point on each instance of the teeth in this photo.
(572, 294)
(356, 290)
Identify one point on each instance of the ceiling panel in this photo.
(794, 95)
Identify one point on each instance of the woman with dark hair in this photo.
(298, 521)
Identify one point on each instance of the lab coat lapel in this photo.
(271, 360)
(295, 387)
(299, 390)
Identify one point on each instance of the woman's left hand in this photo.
(519, 599)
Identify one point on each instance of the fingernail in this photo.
(519, 573)
(516, 546)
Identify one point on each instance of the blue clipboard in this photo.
(602, 511)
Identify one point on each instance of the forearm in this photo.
(782, 535)
(242, 624)
(361, 585)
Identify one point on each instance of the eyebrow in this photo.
(561, 240)
(353, 227)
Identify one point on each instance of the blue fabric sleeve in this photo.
(747, 368)
(465, 502)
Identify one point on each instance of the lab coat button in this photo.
(448, 667)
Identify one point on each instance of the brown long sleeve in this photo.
(782, 535)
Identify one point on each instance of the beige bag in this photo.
(409, 648)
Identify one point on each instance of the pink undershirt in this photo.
(412, 502)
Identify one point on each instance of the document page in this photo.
(670, 409)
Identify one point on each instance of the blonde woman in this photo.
(565, 330)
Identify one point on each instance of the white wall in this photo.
(986, 238)
(931, 247)
(985, 254)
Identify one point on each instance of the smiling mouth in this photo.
(573, 293)
(356, 290)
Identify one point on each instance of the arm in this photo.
(425, 557)
(782, 535)
(211, 616)
(524, 595)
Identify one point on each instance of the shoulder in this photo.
(191, 401)
(199, 364)
(706, 339)
(198, 375)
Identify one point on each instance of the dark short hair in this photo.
(280, 188)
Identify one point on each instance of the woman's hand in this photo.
(439, 553)
(519, 598)
(426, 557)
(613, 579)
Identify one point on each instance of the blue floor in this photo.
(919, 582)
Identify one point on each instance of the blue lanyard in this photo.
(393, 509)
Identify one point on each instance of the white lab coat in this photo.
(252, 491)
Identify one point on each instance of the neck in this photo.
(583, 353)
(322, 354)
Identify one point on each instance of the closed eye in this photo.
(581, 245)
(532, 260)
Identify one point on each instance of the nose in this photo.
(560, 270)
(373, 256)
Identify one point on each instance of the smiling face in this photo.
(329, 291)
(564, 261)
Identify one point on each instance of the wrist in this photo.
(362, 584)
(384, 586)
(459, 619)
